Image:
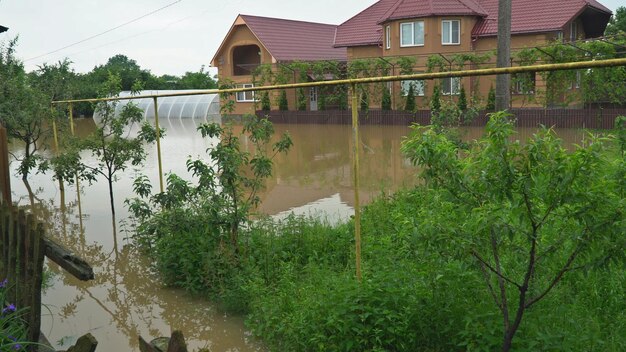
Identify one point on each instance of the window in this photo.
(412, 33)
(388, 37)
(451, 86)
(418, 87)
(523, 83)
(450, 32)
(573, 31)
(245, 96)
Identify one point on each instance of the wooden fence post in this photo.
(5, 179)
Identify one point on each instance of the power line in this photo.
(105, 32)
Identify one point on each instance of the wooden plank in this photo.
(5, 177)
(11, 257)
(20, 264)
(38, 252)
(4, 240)
(68, 261)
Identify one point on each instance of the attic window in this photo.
(450, 32)
(246, 59)
(412, 33)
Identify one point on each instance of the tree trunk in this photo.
(113, 213)
(503, 82)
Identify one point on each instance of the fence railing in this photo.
(592, 118)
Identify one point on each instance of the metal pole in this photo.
(55, 132)
(80, 204)
(355, 155)
(158, 142)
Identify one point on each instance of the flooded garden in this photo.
(127, 298)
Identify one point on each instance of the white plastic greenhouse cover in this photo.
(179, 107)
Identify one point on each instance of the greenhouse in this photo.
(178, 107)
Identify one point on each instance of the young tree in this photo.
(283, 103)
(527, 214)
(227, 190)
(410, 99)
(386, 100)
(435, 100)
(301, 99)
(265, 101)
(110, 147)
(462, 103)
(491, 100)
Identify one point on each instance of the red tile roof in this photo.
(530, 16)
(363, 29)
(527, 16)
(424, 8)
(289, 40)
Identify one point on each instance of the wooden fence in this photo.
(593, 118)
(23, 249)
(23, 246)
(5, 178)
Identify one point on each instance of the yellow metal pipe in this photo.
(417, 76)
(158, 142)
(355, 158)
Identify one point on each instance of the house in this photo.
(253, 41)
(419, 29)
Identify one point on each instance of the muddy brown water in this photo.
(126, 299)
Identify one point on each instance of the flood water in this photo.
(126, 299)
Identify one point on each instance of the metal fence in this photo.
(593, 118)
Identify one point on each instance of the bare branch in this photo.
(477, 256)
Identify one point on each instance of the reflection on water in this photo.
(126, 300)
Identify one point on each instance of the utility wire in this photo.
(105, 32)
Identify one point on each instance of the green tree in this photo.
(435, 100)
(24, 111)
(410, 99)
(491, 100)
(617, 23)
(265, 101)
(226, 192)
(386, 100)
(462, 102)
(527, 214)
(283, 103)
(197, 80)
(111, 150)
(300, 99)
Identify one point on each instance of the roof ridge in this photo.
(288, 20)
(367, 8)
(388, 13)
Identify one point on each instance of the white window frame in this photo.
(451, 39)
(245, 97)
(419, 87)
(457, 81)
(412, 24)
(388, 37)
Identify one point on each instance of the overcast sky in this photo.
(173, 40)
